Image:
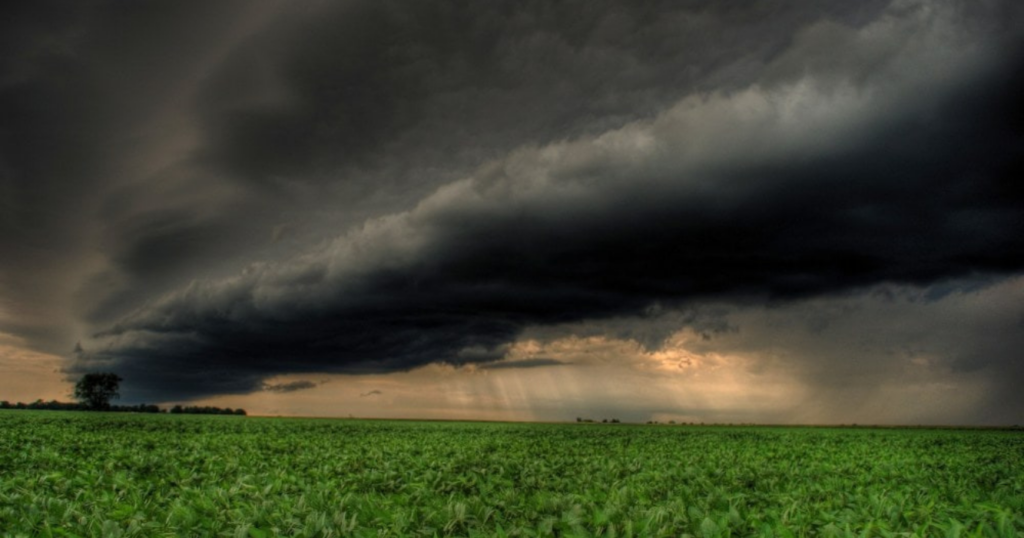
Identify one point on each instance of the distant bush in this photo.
(206, 410)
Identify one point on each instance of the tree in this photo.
(96, 390)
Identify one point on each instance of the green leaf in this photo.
(709, 529)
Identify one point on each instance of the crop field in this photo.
(95, 474)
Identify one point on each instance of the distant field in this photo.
(92, 474)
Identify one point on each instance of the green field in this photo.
(95, 474)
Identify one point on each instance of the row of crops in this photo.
(91, 474)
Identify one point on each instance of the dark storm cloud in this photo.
(524, 363)
(447, 85)
(465, 171)
(49, 156)
(76, 81)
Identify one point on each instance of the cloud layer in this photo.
(371, 187)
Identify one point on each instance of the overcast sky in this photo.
(719, 211)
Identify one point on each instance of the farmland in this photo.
(95, 474)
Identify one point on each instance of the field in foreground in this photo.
(87, 474)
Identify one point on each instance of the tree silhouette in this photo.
(96, 390)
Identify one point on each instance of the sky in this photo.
(700, 211)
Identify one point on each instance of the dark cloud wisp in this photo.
(291, 386)
(524, 363)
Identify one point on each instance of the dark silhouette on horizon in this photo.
(95, 390)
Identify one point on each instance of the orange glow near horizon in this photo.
(30, 375)
(599, 375)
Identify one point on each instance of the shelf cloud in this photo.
(372, 187)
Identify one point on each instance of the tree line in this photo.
(205, 410)
(54, 405)
(94, 392)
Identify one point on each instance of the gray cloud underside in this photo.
(75, 79)
(453, 175)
